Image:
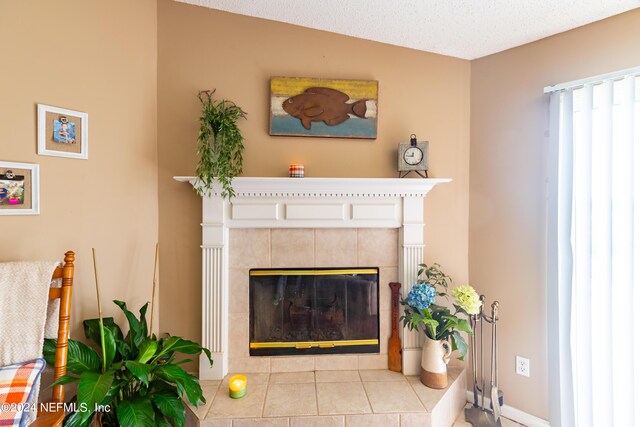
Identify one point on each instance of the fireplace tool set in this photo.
(484, 414)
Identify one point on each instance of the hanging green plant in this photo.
(220, 144)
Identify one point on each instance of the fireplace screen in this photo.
(313, 311)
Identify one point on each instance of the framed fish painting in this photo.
(302, 106)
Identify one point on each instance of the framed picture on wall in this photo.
(62, 132)
(19, 188)
(329, 108)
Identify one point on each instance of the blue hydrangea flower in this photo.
(421, 296)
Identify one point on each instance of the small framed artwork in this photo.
(19, 188)
(62, 133)
(327, 108)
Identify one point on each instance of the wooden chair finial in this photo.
(69, 257)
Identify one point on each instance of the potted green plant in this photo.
(134, 380)
(441, 327)
(220, 144)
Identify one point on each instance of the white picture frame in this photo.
(31, 188)
(61, 142)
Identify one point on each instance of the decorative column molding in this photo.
(215, 288)
(306, 203)
(411, 248)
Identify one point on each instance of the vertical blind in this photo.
(595, 242)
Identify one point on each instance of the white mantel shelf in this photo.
(306, 203)
(327, 187)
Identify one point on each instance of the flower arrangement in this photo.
(436, 321)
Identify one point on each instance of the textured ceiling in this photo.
(465, 29)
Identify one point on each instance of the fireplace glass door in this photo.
(313, 311)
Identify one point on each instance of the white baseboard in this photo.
(515, 414)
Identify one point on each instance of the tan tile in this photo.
(209, 389)
(378, 247)
(249, 247)
(316, 422)
(249, 406)
(215, 423)
(239, 290)
(458, 395)
(336, 247)
(290, 400)
(455, 362)
(385, 330)
(342, 398)
(429, 397)
(238, 335)
(252, 379)
(250, 364)
(455, 391)
(261, 422)
(387, 275)
(337, 376)
(416, 420)
(292, 378)
(292, 247)
(336, 363)
(455, 370)
(381, 375)
(373, 361)
(210, 384)
(293, 364)
(377, 420)
(441, 413)
(392, 396)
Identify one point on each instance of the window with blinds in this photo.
(595, 209)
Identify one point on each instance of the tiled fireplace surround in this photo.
(306, 247)
(314, 222)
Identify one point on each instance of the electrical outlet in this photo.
(522, 366)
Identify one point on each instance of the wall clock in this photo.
(413, 156)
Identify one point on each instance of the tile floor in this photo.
(332, 398)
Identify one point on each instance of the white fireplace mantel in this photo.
(306, 203)
(327, 187)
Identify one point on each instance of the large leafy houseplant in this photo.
(220, 144)
(134, 381)
(437, 321)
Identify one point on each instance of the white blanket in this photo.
(24, 295)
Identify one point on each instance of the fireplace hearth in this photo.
(313, 311)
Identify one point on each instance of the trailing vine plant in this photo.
(220, 144)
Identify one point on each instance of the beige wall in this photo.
(508, 168)
(420, 93)
(100, 58)
(108, 68)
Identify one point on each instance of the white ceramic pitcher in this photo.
(435, 357)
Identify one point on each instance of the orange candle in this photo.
(237, 386)
(296, 171)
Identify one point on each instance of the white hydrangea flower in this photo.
(467, 298)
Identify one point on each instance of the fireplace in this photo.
(321, 204)
(313, 311)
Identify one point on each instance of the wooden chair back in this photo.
(64, 293)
